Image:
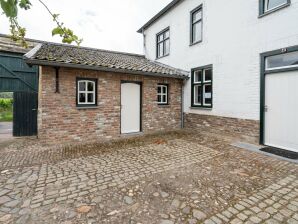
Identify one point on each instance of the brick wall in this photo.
(249, 129)
(60, 121)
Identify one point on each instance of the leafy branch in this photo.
(18, 33)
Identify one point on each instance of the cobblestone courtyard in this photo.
(176, 178)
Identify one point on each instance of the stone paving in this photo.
(277, 203)
(186, 179)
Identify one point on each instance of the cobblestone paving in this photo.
(195, 179)
(277, 203)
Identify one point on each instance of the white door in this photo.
(130, 107)
(281, 115)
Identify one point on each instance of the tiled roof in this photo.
(8, 45)
(90, 58)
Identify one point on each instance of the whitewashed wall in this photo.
(233, 38)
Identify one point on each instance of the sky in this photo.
(104, 24)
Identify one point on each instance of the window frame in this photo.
(201, 83)
(78, 80)
(162, 94)
(264, 12)
(192, 12)
(163, 41)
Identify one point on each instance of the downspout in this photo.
(144, 41)
(182, 103)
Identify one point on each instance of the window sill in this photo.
(201, 108)
(274, 10)
(163, 105)
(86, 107)
(195, 43)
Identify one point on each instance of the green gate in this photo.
(17, 77)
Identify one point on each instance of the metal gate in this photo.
(24, 114)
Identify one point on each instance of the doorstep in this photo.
(256, 148)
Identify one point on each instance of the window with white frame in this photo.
(86, 92)
(201, 84)
(196, 25)
(163, 43)
(269, 5)
(162, 94)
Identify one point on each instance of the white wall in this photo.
(233, 38)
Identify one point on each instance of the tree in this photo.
(10, 9)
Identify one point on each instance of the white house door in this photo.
(281, 110)
(130, 107)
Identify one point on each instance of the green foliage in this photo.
(6, 109)
(18, 33)
(5, 104)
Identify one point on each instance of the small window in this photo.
(196, 25)
(202, 87)
(287, 60)
(86, 92)
(163, 43)
(162, 94)
(271, 5)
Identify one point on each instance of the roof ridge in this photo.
(94, 49)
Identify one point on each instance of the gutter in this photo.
(97, 68)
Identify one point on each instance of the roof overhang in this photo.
(30, 61)
(158, 15)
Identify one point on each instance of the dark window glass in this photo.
(162, 94)
(202, 87)
(196, 26)
(86, 90)
(163, 43)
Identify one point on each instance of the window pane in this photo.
(160, 49)
(198, 76)
(91, 86)
(159, 89)
(164, 98)
(167, 47)
(167, 34)
(82, 98)
(283, 60)
(197, 95)
(196, 16)
(207, 94)
(160, 37)
(159, 98)
(90, 98)
(208, 75)
(82, 85)
(275, 3)
(197, 32)
(164, 89)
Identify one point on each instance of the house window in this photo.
(272, 5)
(163, 43)
(196, 25)
(86, 92)
(282, 61)
(162, 94)
(201, 87)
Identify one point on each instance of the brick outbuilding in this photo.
(88, 94)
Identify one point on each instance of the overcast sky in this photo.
(105, 24)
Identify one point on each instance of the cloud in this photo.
(102, 24)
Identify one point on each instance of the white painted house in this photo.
(243, 59)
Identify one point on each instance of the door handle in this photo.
(33, 109)
(265, 108)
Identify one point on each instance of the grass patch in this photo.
(6, 110)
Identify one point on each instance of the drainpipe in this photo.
(144, 41)
(182, 103)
